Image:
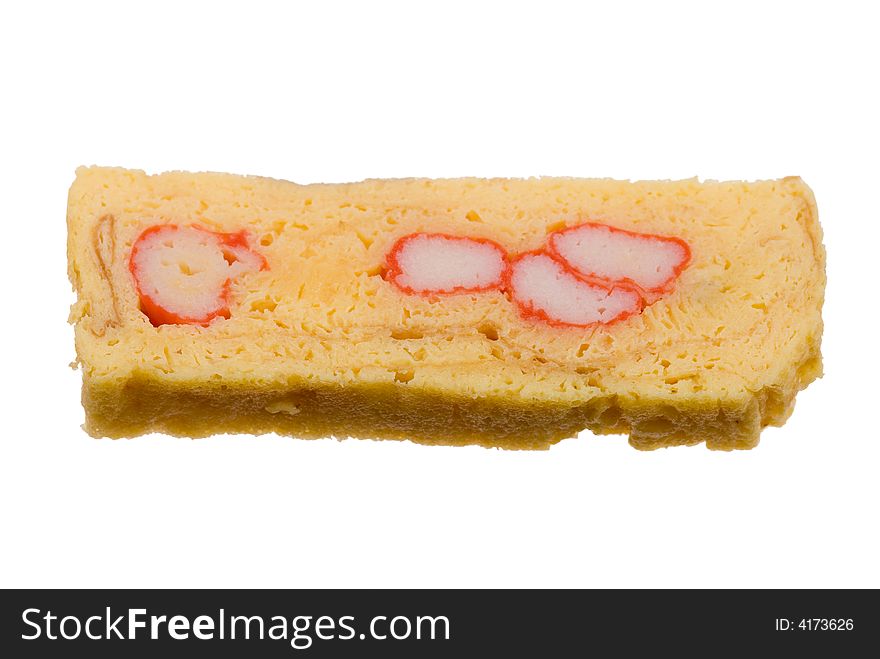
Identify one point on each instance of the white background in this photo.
(339, 92)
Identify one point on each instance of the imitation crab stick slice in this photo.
(545, 288)
(604, 253)
(183, 274)
(430, 263)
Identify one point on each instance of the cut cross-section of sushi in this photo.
(410, 309)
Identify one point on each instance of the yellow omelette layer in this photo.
(320, 344)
